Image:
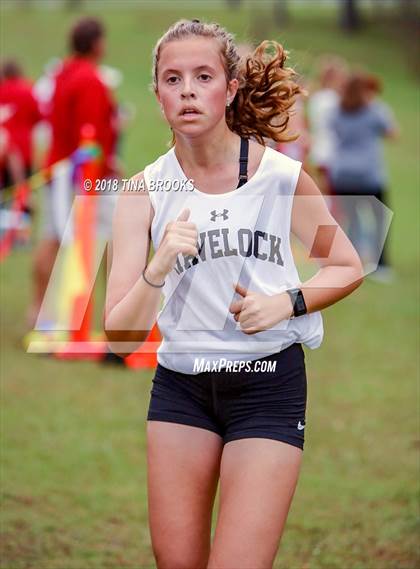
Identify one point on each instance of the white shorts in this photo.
(54, 216)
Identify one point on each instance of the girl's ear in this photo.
(232, 90)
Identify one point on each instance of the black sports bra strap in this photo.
(243, 162)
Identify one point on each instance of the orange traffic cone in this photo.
(81, 344)
(145, 356)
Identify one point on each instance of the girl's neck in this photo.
(208, 152)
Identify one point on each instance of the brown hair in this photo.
(266, 90)
(84, 34)
(353, 97)
(373, 83)
(10, 69)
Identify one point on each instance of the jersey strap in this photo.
(243, 162)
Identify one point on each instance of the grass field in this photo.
(73, 478)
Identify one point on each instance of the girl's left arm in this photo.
(340, 273)
(341, 270)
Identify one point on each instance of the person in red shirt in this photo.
(80, 98)
(20, 113)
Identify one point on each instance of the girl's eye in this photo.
(172, 79)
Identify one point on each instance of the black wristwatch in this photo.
(299, 306)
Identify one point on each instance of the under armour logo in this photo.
(224, 214)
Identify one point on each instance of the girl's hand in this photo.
(256, 312)
(180, 236)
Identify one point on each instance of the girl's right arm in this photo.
(131, 304)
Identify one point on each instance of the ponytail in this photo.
(266, 93)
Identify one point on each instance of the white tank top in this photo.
(243, 236)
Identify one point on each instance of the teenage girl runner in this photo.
(223, 261)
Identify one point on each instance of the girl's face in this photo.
(191, 85)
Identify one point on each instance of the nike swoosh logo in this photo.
(300, 426)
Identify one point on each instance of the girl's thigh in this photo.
(182, 474)
(258, 479)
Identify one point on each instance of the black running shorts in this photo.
(235, 405)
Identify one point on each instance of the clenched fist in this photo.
(256, 312)
(180, 236)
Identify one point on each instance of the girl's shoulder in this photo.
(281, 171)
(277, 159)
(145, 180)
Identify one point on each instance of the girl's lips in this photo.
(190, 115)
(190, 111)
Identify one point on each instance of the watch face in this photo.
(300, 306)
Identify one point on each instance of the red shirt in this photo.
(80, 98)
(16, 94)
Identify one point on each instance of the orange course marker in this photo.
(80, 344)
(145, 356)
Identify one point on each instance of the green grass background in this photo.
(73, 454)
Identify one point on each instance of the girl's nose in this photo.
(187, 89)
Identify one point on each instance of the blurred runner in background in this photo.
(80, 97)
(19, 113)
(321, 107)
(358, 168)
